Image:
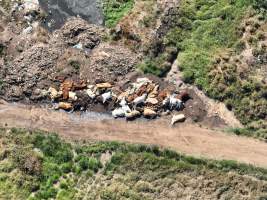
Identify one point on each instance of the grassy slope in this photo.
(38, 166)
(208, 36)
(212, 30)
(114, 10)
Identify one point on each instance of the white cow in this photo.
(139, 100)
(106, 96)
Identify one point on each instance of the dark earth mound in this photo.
(59, 11)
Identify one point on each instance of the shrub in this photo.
(75, 64)
(260, 4)
(66, 167)
(150, 67)
(240, 46)
(1, 49)
(27, 161)
(84, 163)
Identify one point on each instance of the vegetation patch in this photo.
(7, 4)
(1, 50)
(114, 10)
(211, 38)
(37, 165)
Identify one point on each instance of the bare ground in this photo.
(186, 138)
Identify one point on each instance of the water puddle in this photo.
(59, 11)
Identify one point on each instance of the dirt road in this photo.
(185, 138)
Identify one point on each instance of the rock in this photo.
(79, 85)
(149, 113)
(165, 113)
(122, 96)
(78, 46)
(178, 118)
(31, 69)
(27, 30)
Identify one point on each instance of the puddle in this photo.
(59, 11)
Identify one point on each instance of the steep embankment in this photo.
(185, 138)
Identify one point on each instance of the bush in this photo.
(94, 164)
(84, 163)
(47, 193)
(27, 161)
(240, 46)
(1, 49)
(66, 167)
(75, 64)
(260, 4)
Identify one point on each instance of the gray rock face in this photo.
(59, 11)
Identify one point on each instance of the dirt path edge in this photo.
(185, 138)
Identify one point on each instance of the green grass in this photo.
(207, 27)
(114, 10)
(202, 45)
(39, 165)
(207, 34)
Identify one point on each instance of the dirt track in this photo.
(186, 138)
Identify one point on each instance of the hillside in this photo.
(95, 93)
(220, 48)
(36, 165)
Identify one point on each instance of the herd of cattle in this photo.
(141, 98)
